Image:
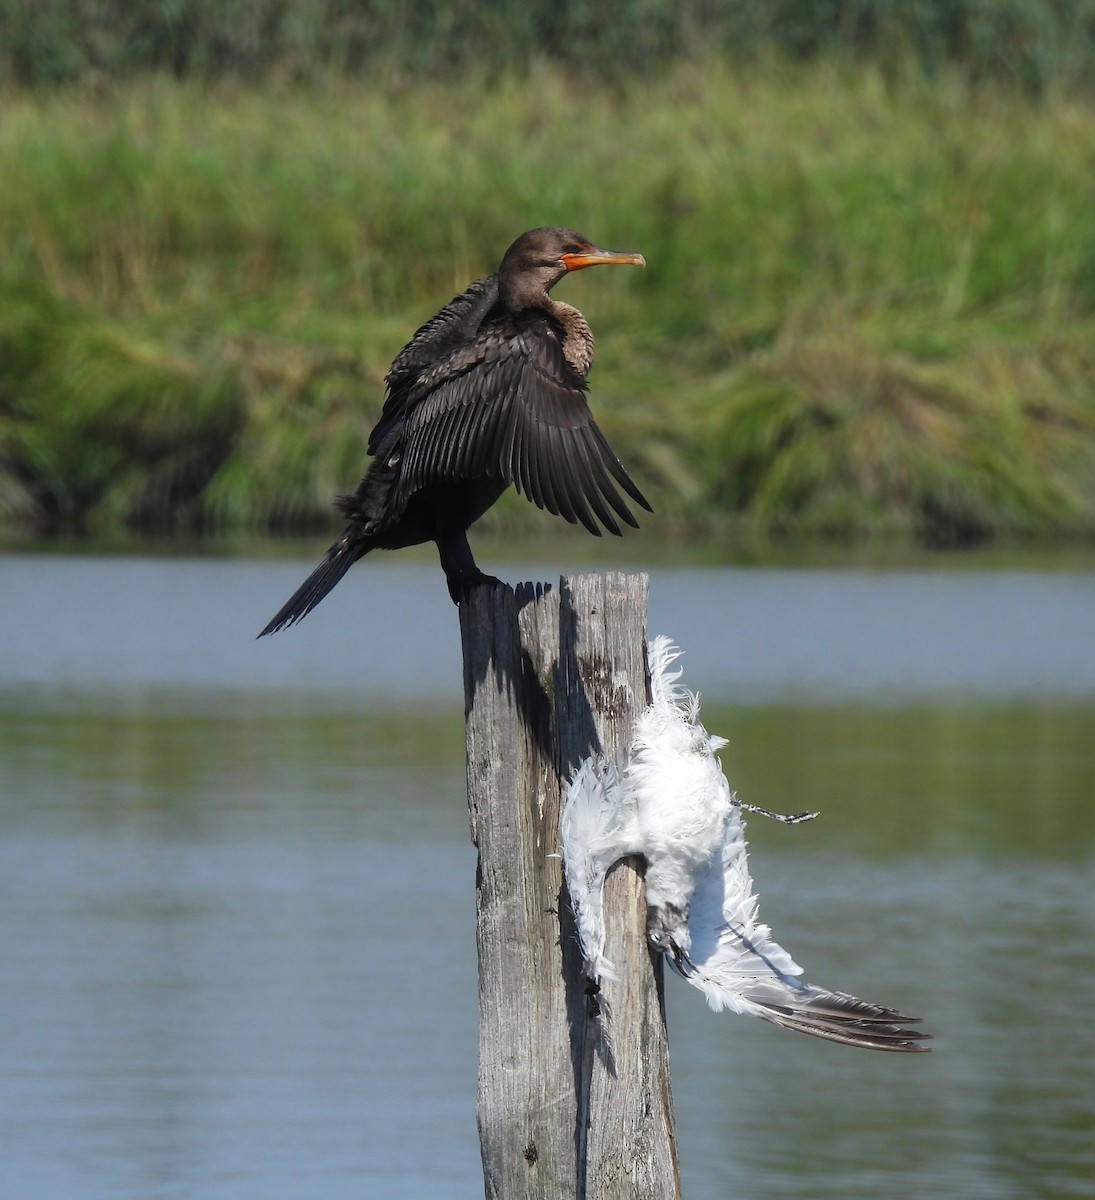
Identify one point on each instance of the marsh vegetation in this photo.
(869, 307)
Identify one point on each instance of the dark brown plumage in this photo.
(488, 393)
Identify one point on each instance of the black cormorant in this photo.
(489, 392)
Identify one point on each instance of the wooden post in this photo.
(574, 1098)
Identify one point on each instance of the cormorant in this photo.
(489, 392)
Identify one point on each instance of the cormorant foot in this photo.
(460, 586)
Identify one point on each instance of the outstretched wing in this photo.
(737, 964)
(456, 325)
(507, 403)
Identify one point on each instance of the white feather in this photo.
(680, 796)
(732, 953)
(597, 828)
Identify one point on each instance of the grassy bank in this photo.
(870, 306)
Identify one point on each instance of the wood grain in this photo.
(574, 1096)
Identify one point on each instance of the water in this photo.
(236, 888)
(390, 631)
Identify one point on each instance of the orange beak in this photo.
(596, 257)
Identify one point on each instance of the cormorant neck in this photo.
(520, 292)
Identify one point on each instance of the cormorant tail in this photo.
(340, 558)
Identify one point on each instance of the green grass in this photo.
(869, 309)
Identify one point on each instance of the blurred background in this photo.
(857, 382)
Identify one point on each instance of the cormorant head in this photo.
(540, 258)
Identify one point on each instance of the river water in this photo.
(237, 893)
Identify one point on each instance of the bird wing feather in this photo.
(507, 403)
(737, 964)
(597, 828)
(454, 326)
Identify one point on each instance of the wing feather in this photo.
(527, 481)
(552, 478)
(608, 457)
(508, 402)
(580, 502)
(568, 489)
(506, 445)
(598, 476)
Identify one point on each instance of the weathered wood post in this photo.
(571, 1103)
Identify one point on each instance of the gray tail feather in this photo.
(839, 1017)
(340, 558)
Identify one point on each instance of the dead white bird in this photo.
(669, 801)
